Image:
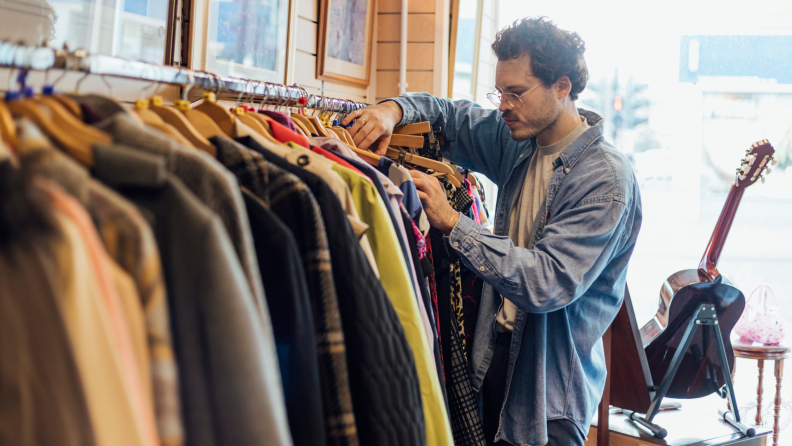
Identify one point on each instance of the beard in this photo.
(539, 117)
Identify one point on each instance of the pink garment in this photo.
(469, 189)
(420, 240)
(112, 300)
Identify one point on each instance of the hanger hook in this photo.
(80, 81)
(266, 96)
(244, 90)
(191, 82)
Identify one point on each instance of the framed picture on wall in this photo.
(345, 40)
(243, 38)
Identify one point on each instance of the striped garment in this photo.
(293, 203)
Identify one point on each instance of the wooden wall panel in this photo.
(388, 82)
(308, 9)
(305, 37)
(420, 28)
(412, 6)
(420, 56)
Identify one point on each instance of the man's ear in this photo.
(564, 86)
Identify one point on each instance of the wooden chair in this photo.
(628, 367)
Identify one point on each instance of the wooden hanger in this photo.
(306, 123)
(64, 119)
(181, 124)
(437, 166)
(222, 117)
(473, 181)
(76, 147)
(7, 127)
(413, 129)
(154, 121)
(70, 105)
(302, 128)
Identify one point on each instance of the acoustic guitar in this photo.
(699, 373)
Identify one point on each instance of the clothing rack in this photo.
(26, 58)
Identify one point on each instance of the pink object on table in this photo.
(762, 321)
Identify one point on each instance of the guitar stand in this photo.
(704, 315)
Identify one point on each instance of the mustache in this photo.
(507, 115)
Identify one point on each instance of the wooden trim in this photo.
(453, 45)
(442, 32)
(322, 45)
(188, 18)
(291, 43)
(170, 34)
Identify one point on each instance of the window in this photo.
(684, 88)
(134, 29)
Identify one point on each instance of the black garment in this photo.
(463, 408)
(559, 432)
(218, 334)
(382, 374)
(292, 321)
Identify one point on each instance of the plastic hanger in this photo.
(222, 117)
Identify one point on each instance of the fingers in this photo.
(419, 179)
(382, 146)
(359, 123)
(377, 133)
(351, 116)
(365, 133)
(422, 196)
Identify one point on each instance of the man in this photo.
(567, 217)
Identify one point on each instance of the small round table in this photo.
(761, 353)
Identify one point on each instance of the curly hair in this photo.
(554, 52)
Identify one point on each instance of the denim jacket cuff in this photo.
(408, 113)
(463, 235)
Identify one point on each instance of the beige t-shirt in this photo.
(531, 198)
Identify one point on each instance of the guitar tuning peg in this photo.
(746, 168)
(774, 162)
(768, 170)
(742, 177)
(750, 158)
(736, 180)
(762, 178)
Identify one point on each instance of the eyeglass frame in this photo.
(499, 95)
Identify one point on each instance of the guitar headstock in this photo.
(756, 164)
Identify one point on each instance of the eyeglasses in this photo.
(511, 99)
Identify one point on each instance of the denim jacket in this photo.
(568, 287)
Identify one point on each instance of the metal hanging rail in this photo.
(22, 57)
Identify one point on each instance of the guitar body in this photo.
(700, 372)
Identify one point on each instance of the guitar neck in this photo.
(709, 262)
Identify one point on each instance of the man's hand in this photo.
(433, 198)
(374, 125)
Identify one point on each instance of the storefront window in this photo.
(134, 29)
(684, 88)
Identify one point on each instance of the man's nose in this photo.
(504, 106)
